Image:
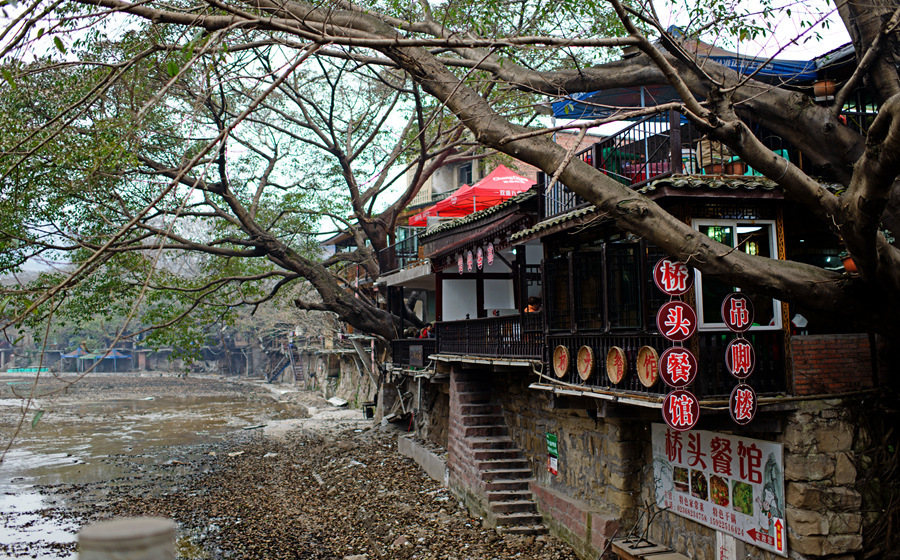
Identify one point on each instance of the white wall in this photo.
(458, 299)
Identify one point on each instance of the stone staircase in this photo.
(489, 461)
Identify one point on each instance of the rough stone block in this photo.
(834, 437)
(844, 471)
(805, 523)
(846, 523)
(808, 467)
(798, 438)
(813, 497)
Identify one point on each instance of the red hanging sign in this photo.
(677, 367)
(676, 321)
(672, 277)
(490, 254)
(737, 312)
(585, 362)
(742, 404)
(479, 258)
(469, 261)
(681, 410)
(740, 358)
(459, 263)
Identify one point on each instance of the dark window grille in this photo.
(623, 285)
(588, 269)
(559, 316)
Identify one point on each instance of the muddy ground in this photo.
(328, 486)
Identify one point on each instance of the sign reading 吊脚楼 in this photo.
(730, 483)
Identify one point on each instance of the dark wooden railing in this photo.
(652, 148)
(713, 379)
(511, 336)
(399, 255)
(412, 352)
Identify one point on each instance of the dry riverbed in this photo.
(314, 483)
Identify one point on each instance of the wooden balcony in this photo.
(511, 336)
(410, 353)
(400, 255)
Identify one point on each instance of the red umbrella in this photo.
(499, 185)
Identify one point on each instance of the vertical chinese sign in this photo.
(677, 321)
(740, 358)
(552, 454)
(730, 483)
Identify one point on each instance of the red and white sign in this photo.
(459, 263)
(676, 321)
(730, 483)
(740, 358)
(677, 367)
(469, 261)
(490, 254)
(681, 410)
(672, 277)
(479, 258)
(742, 404)
(737, 312)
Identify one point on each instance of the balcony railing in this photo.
(713, 379)
(409, 353)
(512, 336)
(399, 255)
(652, 148)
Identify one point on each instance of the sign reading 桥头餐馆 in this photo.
(730, 483)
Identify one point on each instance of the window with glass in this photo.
(754, 237)
(465, 174)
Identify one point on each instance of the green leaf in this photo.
(7, 75)
(37, 418)
(172, 68)
(41, 32)
(59, 44)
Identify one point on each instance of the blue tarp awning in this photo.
(603, 103)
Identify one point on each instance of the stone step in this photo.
(475, 397)
(509, 495)
(481, 408)
(479, 431)
(508, 484)
(504, 474)
(501, 464)
(468, 386)
(483, 420)
(537, 529)
(513, 506)
(490, 442)
(495, 454)
(518, 519)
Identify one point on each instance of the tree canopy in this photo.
(228, 129)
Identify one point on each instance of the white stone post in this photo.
(128, 538)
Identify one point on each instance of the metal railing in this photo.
(652, 148)
(399, 255)
(511, 336)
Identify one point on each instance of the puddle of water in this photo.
(76, 444)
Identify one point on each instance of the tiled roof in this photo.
(521, 197)
(692, 182)
(681, 182)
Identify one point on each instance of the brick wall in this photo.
(584, 527)
(825, 364)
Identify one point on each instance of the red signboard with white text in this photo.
(730, 483)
